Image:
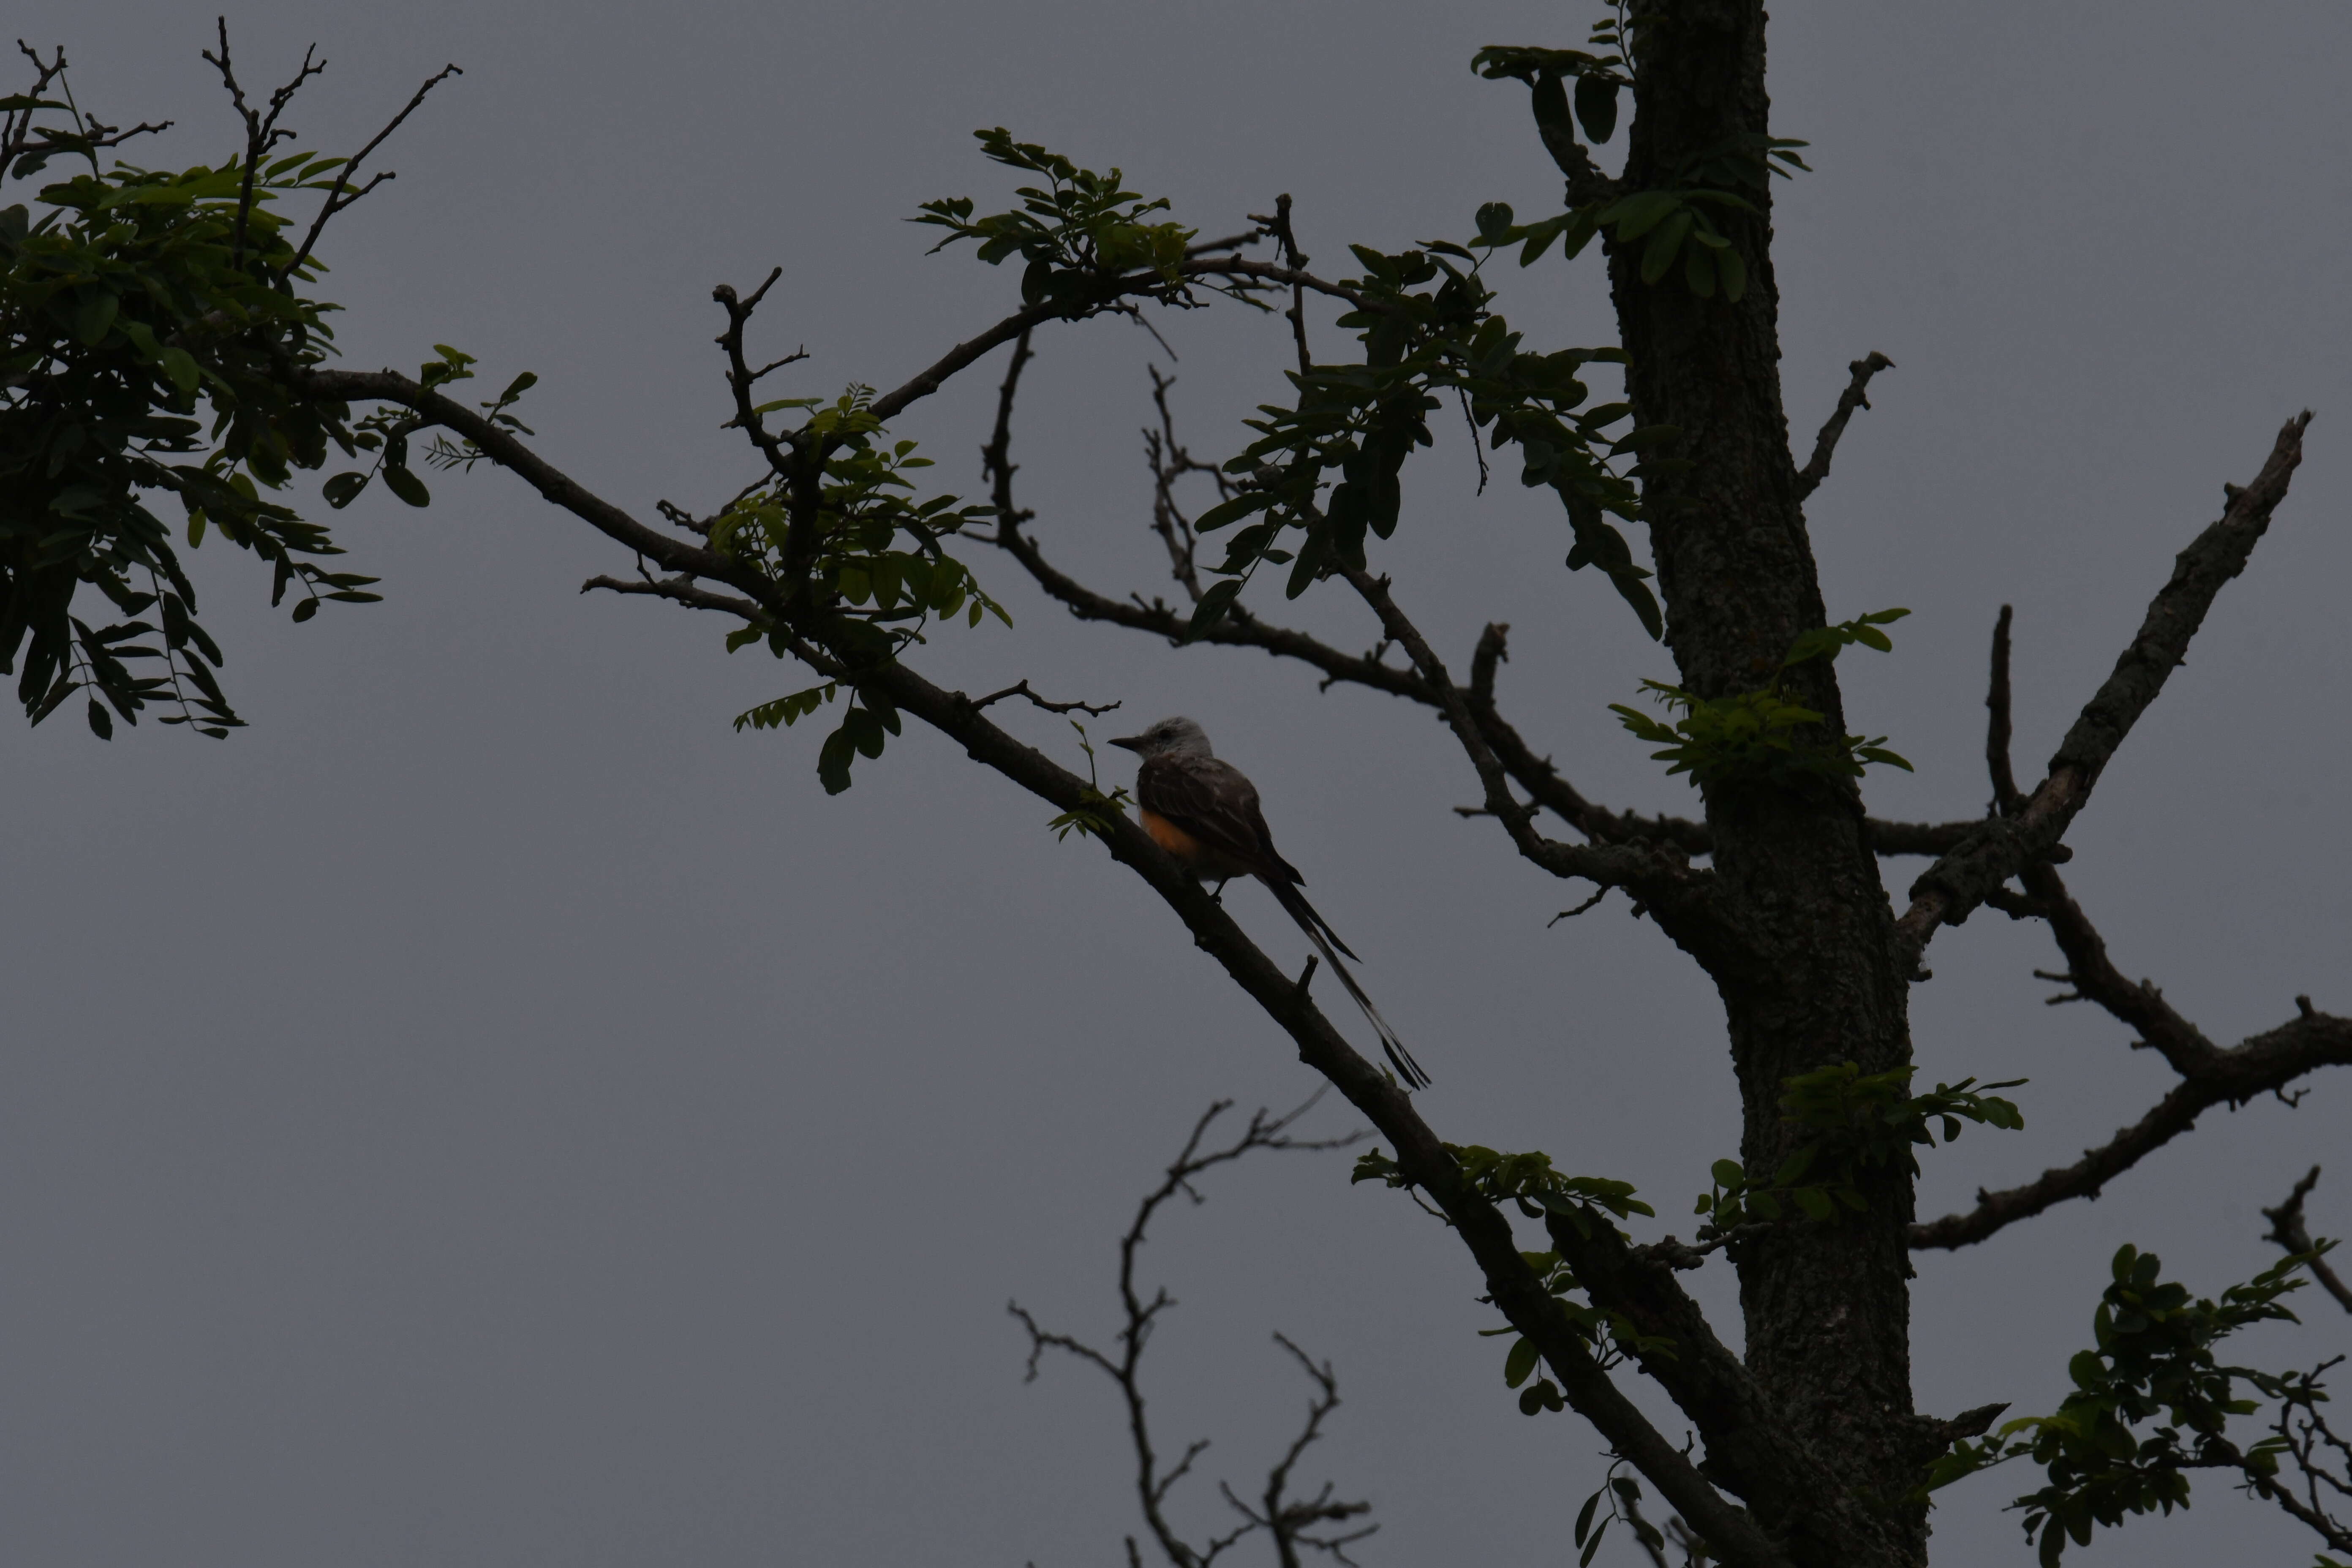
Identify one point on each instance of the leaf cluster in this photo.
(151, 332)
(1078, 231)
(1764, 735)
(1426, 319)
(1530, 1180)
(1864, 1124)
(860, 552)
(2152, 1361)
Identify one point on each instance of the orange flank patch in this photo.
(1171, 837)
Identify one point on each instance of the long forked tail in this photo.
(1319, 931)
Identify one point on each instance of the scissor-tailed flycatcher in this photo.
(1204, 811)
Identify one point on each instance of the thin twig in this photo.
(2288, 1230)
(1021, 689)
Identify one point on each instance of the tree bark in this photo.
(1827, 1306)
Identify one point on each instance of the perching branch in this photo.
(1809, 476)
(1998, 849)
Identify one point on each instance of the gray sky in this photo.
(489, 1113)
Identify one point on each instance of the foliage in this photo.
(1079, 232)
(1426, 320)
(1867, 1123)
(152, 328)
(1759, 735)
(1676, 223)
(868, 559)
(2152, 1360)
(1529, 1182)
(1092, 816)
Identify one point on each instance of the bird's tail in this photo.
(1319, 931)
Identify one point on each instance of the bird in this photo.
(1204, 812)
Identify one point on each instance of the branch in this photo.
(1152, 1484)
(1809, 476)
(2006, 799)
(1959, 881)
(336, 200)
(1746, 1431)
(681, 590)
(1511, 1282)
(88, 137)
(2288, 1230)
(2259, 1065)
(1683, 899)
(1021, 689)
(741, 378)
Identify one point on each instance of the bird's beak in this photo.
(1131, 744)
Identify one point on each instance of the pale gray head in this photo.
(1177, 737)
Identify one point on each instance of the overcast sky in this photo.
(490, 1112)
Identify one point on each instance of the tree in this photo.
(823, 562)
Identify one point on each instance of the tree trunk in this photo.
(1827, 1307)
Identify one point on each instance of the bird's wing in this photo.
(1215, 803)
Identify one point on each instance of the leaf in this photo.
(1584, 1515)
(1734, 274)
(181, 367)
(95, 315)
(344, 488)
(833, 762)
(1596, 107)
(1212, 607)
(1665, 243)
(304, 610)
(100, 725)
(1728, 1174)
(404, 483)
(1519, 1363)
(1225, 513)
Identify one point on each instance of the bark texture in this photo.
(1827, 1307)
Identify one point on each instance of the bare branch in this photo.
(2256, 1067)
(1682, 898)
(680, 590)
(1286, 1521)
(740, 377)
(1809, 476)
(338, 200)
(2006, 799)
(1021, 689)
(2288, 1230)
(1998, 849)
(89, 136)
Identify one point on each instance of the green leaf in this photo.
(344, 488)
(1212, 607)
(1665, 243)
(1584, 1515)
(1596, 107)
(304, 608)
(1225, 513)
(100, 725)
(1734, 274)
(1728, 1174)
(181, 367)
(95, 315)
(404, 483)
(1520, 1363)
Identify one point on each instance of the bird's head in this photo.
(1169, 737)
